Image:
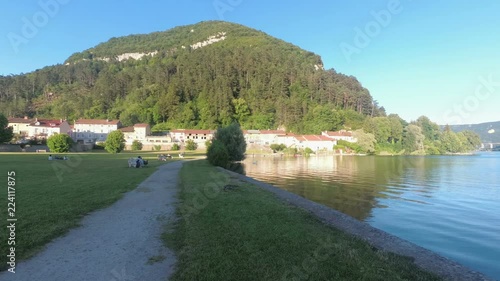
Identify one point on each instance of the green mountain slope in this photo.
(196, 76)
(488, 132)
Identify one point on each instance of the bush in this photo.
(176, 147)
(234, 141)
(278, 147)
(157, 147)
(99, 146)
(208, 143)
(115, 143)
(191, 145)
(308, 151)
(217, 154)
(59, 143)
(136, 145)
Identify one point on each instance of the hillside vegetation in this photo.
(248, 76)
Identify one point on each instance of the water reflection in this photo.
(446, 204)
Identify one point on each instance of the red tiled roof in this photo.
(96, 122)
(272, 132)
(127, 129)
(20, 120)
(189, 131)
(46, 123)
(142, 125)
(313, 138)
(339, 134)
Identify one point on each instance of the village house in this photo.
(251, 136)
(90, 131)
(289, 140)
(43, 128)
(315, 142)
(340, 135)
(199, 136)
(268, 137)
(20, 125)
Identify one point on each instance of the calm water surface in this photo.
(448, 204)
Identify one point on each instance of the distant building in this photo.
(199, 136)
(340, 135)
(20, 125)
(315, 142)
(90, 131)
(43, 128)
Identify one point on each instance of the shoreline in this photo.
(424, 258)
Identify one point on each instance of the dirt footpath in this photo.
(121, 242)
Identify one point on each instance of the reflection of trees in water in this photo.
(352, 185)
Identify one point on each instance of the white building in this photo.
(340, 135)
(315, 142)
(20, 125)
(89, 131)
(199, 136)
(43, 128)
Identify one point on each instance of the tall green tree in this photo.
(413, 139)
(115, 142)
(232, 138)
(6, 133)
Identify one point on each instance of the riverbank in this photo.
(231, 229)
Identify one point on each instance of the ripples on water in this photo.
(449, 204)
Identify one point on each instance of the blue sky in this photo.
(435, 58)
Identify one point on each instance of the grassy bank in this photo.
(52, 196)
(245, 233)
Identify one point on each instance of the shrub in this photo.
(136, 145)
(157, 147)
(278, 147)
(308, 151)
(100, 146)
(115, 143)
(191, 145)
(208, 143)
(234, 141)
(59, 143)
(217, 154)
(176, 147)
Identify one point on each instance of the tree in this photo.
(175, 147)
(191, 145)
(217, 154)
(366, 141)
(234, 141)
(115, 142)
(136, 145)
(59, 143)
(413, 139)
(471, 141)
(6, 133)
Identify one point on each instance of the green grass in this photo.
(52, 196)
(247, 234)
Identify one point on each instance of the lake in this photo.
(448, 204)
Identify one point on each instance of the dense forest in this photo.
(245, 76)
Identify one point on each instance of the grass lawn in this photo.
(245, 233)
(52, 196)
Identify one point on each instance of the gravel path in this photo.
(114, 244)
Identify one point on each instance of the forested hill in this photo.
(197, 76)
(488, 132)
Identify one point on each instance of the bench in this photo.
(41, 150)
